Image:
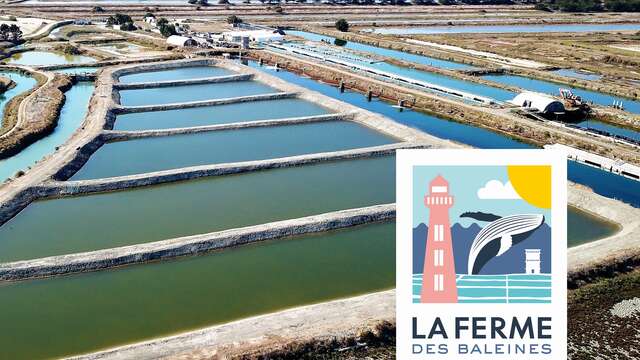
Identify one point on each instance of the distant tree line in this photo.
(10, 33)
(590, 5)
(165, 28)
(124, 21)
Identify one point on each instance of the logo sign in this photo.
(481, 254)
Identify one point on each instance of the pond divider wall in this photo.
(78, 187)
(192, 245)
(173, 83)
(118, 135)
(37, 183)
(119, 109)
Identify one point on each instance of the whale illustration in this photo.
(499, 236)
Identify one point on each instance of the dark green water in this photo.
(583, 227)
(186, 93)
(69, 225)
(219, 114)
(170, 152)
(186, 73)
(87, 312)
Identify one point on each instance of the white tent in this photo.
(540, 102)
(177, 40)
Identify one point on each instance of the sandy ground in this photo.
(27, 25)
(628, 47)
(503, 60)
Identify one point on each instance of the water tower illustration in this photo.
(532, 261)
(439, 275)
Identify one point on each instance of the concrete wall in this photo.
(192, 245)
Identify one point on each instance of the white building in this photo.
(539, 102)
(253, 35)
(150, 20)
(532, 261)
(183, 41)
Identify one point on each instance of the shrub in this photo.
(128, 26)
(342, 25)
(234, 20)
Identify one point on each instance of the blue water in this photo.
(497, 288)
(472, 29)
(419, 59)
(553, 88)
(185, 73)
(601, 182)
(594, 124)
(23, 83)
(577, 74)
(187, 93)
(78, 70)
(443, 80)
(71, 116)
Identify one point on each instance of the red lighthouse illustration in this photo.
(439, 275)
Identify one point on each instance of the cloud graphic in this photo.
(494, 189)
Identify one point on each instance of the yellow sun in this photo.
(532, 183)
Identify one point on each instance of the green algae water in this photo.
(219, 114)
(583, 227)
(88, 312)
(37, 57)
(99, 221)
(184, 73)
(170, 152)
(187, 93)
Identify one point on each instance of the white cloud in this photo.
(494, 189)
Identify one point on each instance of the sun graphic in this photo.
(532, 183)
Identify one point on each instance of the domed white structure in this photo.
(539, 102)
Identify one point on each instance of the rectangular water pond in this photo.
(57, 317)
(187, 93)
(177, 151)
(99, 221)
(184, 73)
(219, 114)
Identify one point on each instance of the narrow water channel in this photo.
(418, 59)
(51, 318)
(548, 87)
(603, 183)
(426, 76)
(171, 152)
(542, 86)
(99, 221)
(71, 116)
(22, 83)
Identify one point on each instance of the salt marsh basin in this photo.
(183, 73)
(37, 57)
(62, 226)
(219, 114)
(178, 94)
(139, 302)
(169, 152)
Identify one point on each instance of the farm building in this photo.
(184, 41)
(539, 102)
